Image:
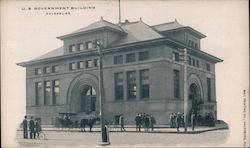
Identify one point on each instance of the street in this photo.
(125, 139)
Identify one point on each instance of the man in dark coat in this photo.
(152, 122)
(147, 122)
(25, 128)
(138, 122)
(178, 121)
(32, 128)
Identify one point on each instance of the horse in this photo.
(90, 122)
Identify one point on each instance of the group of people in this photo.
(34, 128)
(144, 120)
(177, 120)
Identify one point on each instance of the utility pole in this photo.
(104, 134)
(185, 90)
(119, 11)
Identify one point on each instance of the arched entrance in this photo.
(82, 94)
(194, 96)
(195, 93)
(88, 100)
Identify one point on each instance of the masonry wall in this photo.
(160, 104)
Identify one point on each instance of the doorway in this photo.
(88, 100)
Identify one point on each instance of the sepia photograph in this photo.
(123, 73)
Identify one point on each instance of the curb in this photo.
(159, 132)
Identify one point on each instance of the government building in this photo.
(143, 72)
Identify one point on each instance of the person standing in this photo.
(152, 122)
(137, 122)
(172, 120)
(144, 121)
(25, 128)
(37, 128)
(193, 119)
(121, 121)
(178, 121)
(140, 121)
(147, 122)
(32, 128)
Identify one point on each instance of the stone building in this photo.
(142, 69)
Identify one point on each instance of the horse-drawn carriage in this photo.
(70, 121)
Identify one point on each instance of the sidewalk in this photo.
(157, 129)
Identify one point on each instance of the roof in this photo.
(175, 25)
(101, 24)
(168, 26)
(56, 52)
(134, 33)
(137, 31)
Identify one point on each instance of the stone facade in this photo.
(74, 82)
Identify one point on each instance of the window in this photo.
(118, 59)
(195, 45)
(55, 68)
(89, 64)
(144, 82)
(189, 43)
(189, 60)
(72, 48)
(197, 63)
(80, 65)
(208, 67)
(38, 71)
(80, 46)
(193, 62)
(38, 92)
(130, 57)
(176, 56)
(208, 89)
(47, 90)
(96, 62)
(46, 70)
(143, 56)
(119, 86)
(55, 92)
(131, 84)
(89, 45)
(72, 66)
(176, 84)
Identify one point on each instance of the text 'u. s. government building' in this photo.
(143, 72)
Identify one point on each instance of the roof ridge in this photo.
(113, 24)
(167, 23)
(129, 23)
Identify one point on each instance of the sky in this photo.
(27, 34)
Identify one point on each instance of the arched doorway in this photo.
(88, 100)
(82, 94)
(195, 94)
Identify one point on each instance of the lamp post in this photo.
(185, 90)
(104, 133)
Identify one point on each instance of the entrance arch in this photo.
(82, 94)
(195, 92)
